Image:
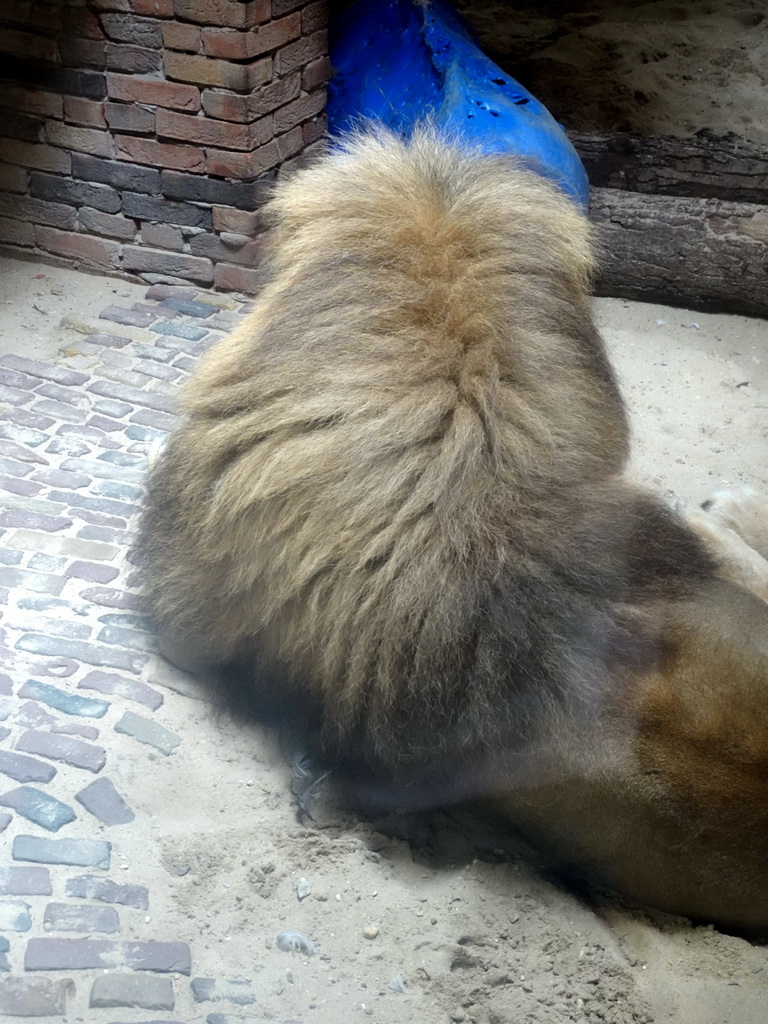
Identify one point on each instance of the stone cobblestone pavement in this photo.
(82, 692)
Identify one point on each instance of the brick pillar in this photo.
(138, 136)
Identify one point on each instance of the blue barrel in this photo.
(401, 61)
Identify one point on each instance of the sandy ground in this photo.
(633, 65)
(430, 920)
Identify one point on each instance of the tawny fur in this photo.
(395, 503)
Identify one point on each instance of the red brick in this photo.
(31, 101)
(130, 117)
(283, 6)
(159, 154)
(16, 232)
(12, 179)
(302, 52)
(134, 89)
(82, 140)
(208, 132)
(303, 109)
(178, 35)
(128, 28)
(237, 279)
(28, 44)
(233, 45)
(315, 130)
(224, 12)
(84, 112)
(290, 144)
(36, 155)
(316, 74)
(110, 5)
(162, 236)
(207, 71)
(232, 107)
(153, 8)
(240, 222)
(314, 17)
(98, 252)
(112, 225)
(243, 165)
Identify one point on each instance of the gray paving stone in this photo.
(138, 433)
(207, 990)
(130, 689)
(32, 520)
(69, 395)
(88, 732)
(110, 598)
(37, 582)
(92, 572)
(35, 997)
(5, 820)
(133, 395)
(105, 505)
(89, 435)
(86, 954)
(17, 451)
(38, 807)
(23, 435)
(103, 801)
(146, 993)
(60, 478)
(15, 916)
(117, 489)
(91, 654)
(185, 331)
(62, 667)
(25, 418)
(66, 917)
(10, 467)
(67, 446)
(25, 769)
(108, 407)
(24, 881)
(30, 540)
(147, 731)
(47, 563)
(188, 307)
(127, 638)
(110, 340)
(4, 949)
(62, 700)
(103, 423)
(59, 410)
(131, 317)
(63, 748)
(123, 459)
(84, 853)
(58, 374)
(95, 887)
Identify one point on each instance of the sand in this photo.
(433, 919)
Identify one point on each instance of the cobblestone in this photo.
(92, 887)
(38, 807)
(24, 881)
(147, 731)
(145, 993)
(25, 769)
(68, 917)
(84, 954)
(131, 689)
(35, 997)
(62, 700)
(63, 748)
(82, 853)
(213, 990)
(14, 916)
(103, 801)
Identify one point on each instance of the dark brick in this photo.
(76, 193)
(127, 28)
(108, 224)
(38, 807)
(87, 954)
(146, 993)
(91, 654)
(118, 174)
(128, 117)
(35, 997)
(138, 60)
(62, 700)
(103, 801)
(79, 852)
(22, 881)
(25, 769)
(150, 208)
(63, 748)
(56, 215)
(94, 887)
(243, 195)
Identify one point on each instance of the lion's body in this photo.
(396, 497)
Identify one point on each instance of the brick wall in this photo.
(138, 136)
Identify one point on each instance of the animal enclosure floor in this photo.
(164, 856)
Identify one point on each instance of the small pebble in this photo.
(303, 889)
(397, 984)
(371, 931)
(295, 942)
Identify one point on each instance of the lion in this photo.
(395, 515)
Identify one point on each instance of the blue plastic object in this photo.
(401, 61)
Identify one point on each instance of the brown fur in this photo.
(395, 503)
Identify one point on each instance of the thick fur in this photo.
(395, 504)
